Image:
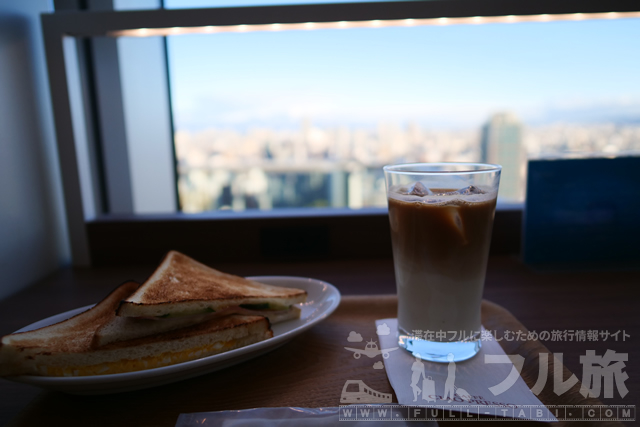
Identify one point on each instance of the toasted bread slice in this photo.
(73, 334)
(182, 286)
(204, 339)
(127, 328)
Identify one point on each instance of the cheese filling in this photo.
(130, 365)
(248, 309)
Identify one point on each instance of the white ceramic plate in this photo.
(322, 300)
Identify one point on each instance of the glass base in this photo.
(436, 351)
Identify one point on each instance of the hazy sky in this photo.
(442, 76)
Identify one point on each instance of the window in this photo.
(465, 111)
(308, 118)
(187, 4)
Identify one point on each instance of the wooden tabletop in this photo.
(310, 370)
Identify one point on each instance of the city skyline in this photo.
(265, 168)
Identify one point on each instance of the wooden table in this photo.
(311, 370)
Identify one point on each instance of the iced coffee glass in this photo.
(441, 216)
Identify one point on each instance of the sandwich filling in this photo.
(147, 362)
(246, 309)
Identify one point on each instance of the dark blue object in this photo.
(583, 213)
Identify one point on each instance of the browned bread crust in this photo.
(75, 333)
(181, 284)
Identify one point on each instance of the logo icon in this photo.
(354, 337)
(383, 329)
(371, 350)
(356, 391)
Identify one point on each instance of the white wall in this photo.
(33, 240)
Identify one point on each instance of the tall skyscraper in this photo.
(502, 144)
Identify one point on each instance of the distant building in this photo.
(502, 144)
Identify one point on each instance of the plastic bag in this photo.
(280, 417)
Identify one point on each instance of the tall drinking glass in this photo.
(441, 216)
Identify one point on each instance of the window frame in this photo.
(347, 233)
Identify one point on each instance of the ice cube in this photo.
(418, 189)
(472, 189)
(456, 223)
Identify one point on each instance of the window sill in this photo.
(258, 236)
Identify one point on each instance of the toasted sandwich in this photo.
(181, 286)
(70, 348)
